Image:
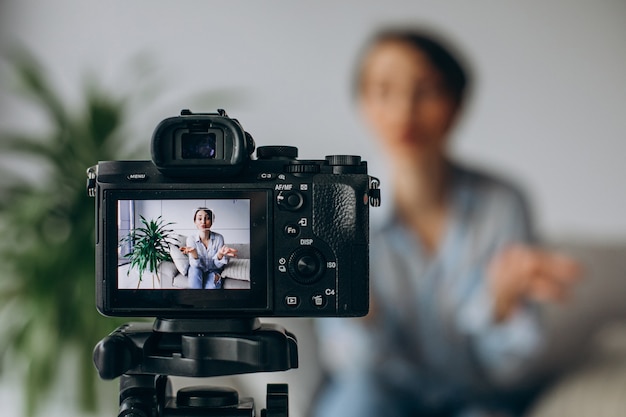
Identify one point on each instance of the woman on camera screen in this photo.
(207, 253)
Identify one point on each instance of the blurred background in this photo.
(548, 109)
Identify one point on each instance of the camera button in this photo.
(319, 300)
(292, 301)
(266, 176)
(137, 176)
(294, 200)
(290, 200)
(292, 230)
(307, 266)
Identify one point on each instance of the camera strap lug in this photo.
(92, 173)
(374, 192)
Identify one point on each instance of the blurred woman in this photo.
(455, 272)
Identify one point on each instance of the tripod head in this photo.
(144, 355)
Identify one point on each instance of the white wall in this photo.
(549, 106)
(232, 217)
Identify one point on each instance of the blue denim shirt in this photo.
(207, 256)
(433, 336)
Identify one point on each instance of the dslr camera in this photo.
(298, 229)
(207, 238)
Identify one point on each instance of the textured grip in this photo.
(341, 219)
(340, 213)
(334, 213)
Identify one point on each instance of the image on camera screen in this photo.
(198, 145)
(200, 244)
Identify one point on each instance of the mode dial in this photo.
(343, 160)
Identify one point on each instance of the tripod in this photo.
(144, 355)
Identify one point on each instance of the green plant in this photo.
(47, 262)
(150, 247)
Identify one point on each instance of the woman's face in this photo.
(404, 100)
(203, 220)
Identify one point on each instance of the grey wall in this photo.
(232, 217)
(549, 104)
(549, 107)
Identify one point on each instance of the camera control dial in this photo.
(279, 152)
(302, 168)
(306, 265)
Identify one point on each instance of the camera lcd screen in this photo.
(198, 145)
(210, 253)
(205, 243)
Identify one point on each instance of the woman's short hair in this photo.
(448, 63)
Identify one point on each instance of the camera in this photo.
(295, 231)
(207, 237)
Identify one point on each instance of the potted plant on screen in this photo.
(150, 245)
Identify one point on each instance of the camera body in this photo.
(301, 226)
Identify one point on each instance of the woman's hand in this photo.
(189, 250)
(226, 251)
(522, 272)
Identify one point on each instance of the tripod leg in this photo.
(138, 396)
(277, 401)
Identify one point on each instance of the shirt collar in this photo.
(461, 198)
(211, 236)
